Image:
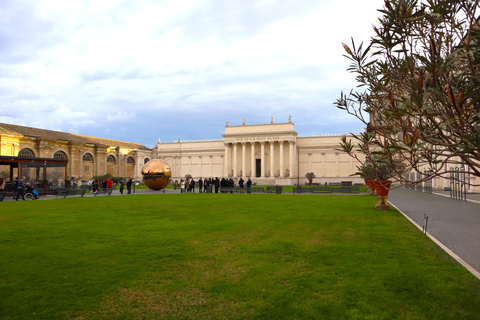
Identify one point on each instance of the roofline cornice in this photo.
(269, 133)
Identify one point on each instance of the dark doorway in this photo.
(259, 168)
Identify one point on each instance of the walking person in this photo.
(217, 184)
(192, 186)
(21, 189)
(200, 185)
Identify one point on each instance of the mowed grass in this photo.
(224, 256)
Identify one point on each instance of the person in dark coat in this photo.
(192, 186)
(129, 185)
(240, 184)
(223, 183)
(249, 184)
(15, 188)
(200, 185)
(122, 186)
(217, 184)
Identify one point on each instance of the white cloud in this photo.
(120, 116)
(73, 62)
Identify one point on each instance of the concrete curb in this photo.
(441, 245)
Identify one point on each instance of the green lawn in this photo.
(224, 256)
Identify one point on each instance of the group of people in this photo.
(188, 185)
(21, 189)
(108, 184)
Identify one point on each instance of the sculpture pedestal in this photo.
(382, 203)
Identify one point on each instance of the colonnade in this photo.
(232, 158)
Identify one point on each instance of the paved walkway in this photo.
(454, 223)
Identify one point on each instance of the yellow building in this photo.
(45, 154)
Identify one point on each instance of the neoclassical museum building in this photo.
(270, 153)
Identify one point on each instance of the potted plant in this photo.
(310, 176)
(366, 171)
(384, 170)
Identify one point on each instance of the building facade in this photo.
(267, 153)
(86, 156)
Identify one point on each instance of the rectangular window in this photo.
(86, 168)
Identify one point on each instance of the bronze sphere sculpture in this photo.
(156, 174)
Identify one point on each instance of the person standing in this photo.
(122, 185)
(192, 186)
(249, 184)
(240, 184)
(205, 185)
(200, 185)
(15, 188)
(182, 186)
(223, 184)
(129, 186)
(217, 184)
(21, 189)
(109, 183)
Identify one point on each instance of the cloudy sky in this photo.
(141, 70)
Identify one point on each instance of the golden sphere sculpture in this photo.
(156, 174)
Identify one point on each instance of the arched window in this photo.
(87, 157)
(59, 155)
(146, 160)
(111, 159)
(26, 153)
(130, 160)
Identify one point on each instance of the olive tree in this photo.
(418, 88)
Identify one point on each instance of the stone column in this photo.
(272, 163)
(309, 162)
(244, 167)
(174, 173)
(282, 168)
(80, 174)
(235, 172)
(262, 158)
(189, 165)
(291, 143)
(253, 164)
(338, 163)
(71, 156)
(211, 165)
(105, 163)
(222, 160)
(96, 162)
(226, 160)
(200, 164)
(324, 162)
